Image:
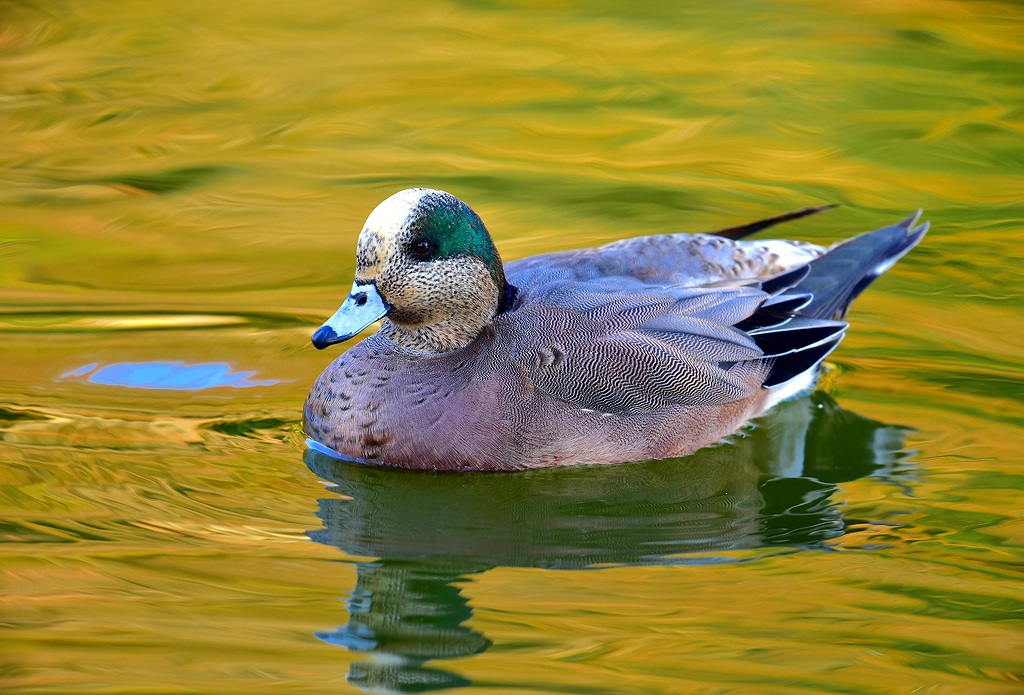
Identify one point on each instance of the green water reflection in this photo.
(771, 488)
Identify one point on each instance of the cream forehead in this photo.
(394, 214)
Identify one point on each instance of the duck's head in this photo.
(426, 262)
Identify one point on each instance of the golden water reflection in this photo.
(183, 182)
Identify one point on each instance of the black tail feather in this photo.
(844, 271)
(745, 230)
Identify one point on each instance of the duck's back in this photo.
(690, 260)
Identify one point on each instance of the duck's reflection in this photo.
(770, 487)
(404, 614)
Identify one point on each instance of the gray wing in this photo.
(599, 348)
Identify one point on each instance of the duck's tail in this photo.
(801, 322)
(847, 268)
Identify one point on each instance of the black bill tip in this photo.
(325, 337)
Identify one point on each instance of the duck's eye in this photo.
(422, 249)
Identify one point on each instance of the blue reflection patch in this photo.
(168, 375)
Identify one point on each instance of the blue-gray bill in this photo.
(362, 307)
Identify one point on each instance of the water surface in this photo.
(182, 186)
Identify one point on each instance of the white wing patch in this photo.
(788, 254)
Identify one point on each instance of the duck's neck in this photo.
(447, 335)
(456, 329)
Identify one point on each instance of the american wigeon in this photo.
(644, 348)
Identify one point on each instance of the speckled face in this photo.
(432, 262)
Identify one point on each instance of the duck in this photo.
(645, 348)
